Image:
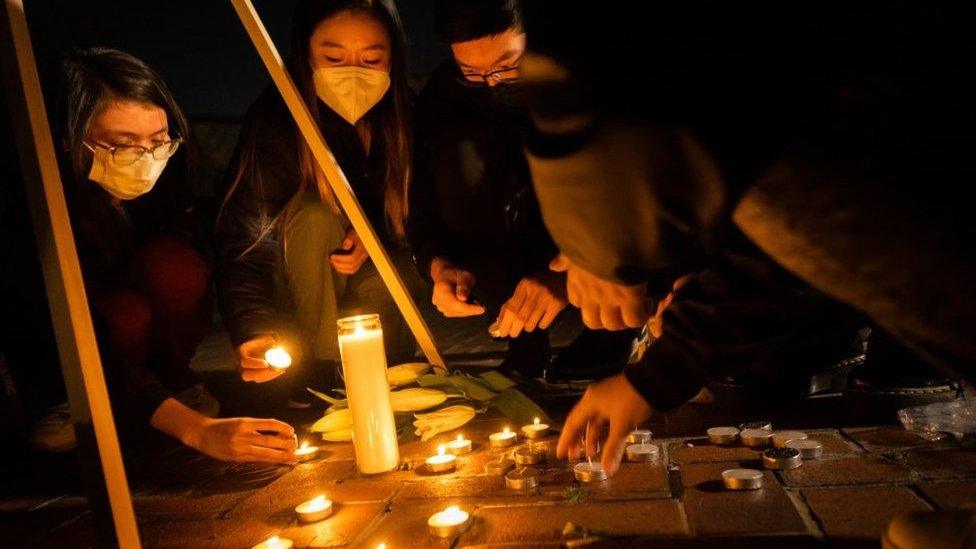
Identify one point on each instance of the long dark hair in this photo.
(390, 117)
(90, 80)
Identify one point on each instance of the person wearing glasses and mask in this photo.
(475, 227)
(290, 264)
(126, 183)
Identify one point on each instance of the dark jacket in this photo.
(248, 228)
(471, 198)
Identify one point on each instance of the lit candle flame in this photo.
(441, 450)
(381, 546)
(318, 501)
(304, 445)
(535, 421)
(506, 431)
(277, 357)
(460, 437)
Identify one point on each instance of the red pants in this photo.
(159, 321)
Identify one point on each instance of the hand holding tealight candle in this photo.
(536, 430)
(314, 509)
(449, 522)
(502, 439)
(277, 357)
(442, 462)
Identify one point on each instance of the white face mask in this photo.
(350, 91)
(125, 182)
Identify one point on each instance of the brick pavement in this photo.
(865, 477)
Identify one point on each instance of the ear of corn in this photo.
(443, 420)
(334, 421)
(405, 374)
(343, 435)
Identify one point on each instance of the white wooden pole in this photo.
(336, 179)
(77, 347)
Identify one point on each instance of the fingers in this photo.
(261, 376)
(591, 316)
(632, 317)
(560, 264)
(552, 311)
(614, 448)
(267, 455)
(573, 432)
(251, 362)
(287, 444)
(535, 317)
(610, 318)
(462, 290)
(271, 425)
(594, 432)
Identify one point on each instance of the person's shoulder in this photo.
(442, 95)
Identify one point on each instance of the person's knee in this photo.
(127, 315)
(314, 223)
(175, 275)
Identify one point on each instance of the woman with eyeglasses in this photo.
(131, 207)
(290, 264)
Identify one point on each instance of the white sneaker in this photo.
(54, 432)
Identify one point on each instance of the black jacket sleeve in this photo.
(262, 177)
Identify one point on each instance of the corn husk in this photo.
(405, 374)
(334, 421)
(446, 419)
(416, 399)
(344, 435)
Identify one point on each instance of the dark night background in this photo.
(198, 46)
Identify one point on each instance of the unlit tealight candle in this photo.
(723, 435)
(641, 452)
(742, 479)
(755, 438)
(639, 436)
(780, 438)
(809, 449)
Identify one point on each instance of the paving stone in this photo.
(29, 526)
(942, 464)
(713, 510)
(405, 525)
(539, 524)
(843, 471)
(950, 494)
(211, 497)
(834, 444)
(632, 481)
(346, 524)
(700, 450)
(860, 512)
(888, 439)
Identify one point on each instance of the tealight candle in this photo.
(527, 455)
(503, 439)
(459, 446)
(499, 467)
(449, 522)
(589, 472)
(639, 436)
(722, 435)
(809, 449)
(314, 509)
(755, 438)
(522, 479)
(536, 430)
(442, 462)
(275, 542)
(782, 458)
(642, 452)
(276, 357)
(742, 479)
(780, 438)
(306, 452)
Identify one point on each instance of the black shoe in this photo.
(593, 355)
(527, 356)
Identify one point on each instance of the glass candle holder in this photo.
(374, 434)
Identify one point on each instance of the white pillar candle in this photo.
(374, 434)
(275, 542)
(276, 357)
(459, 446)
